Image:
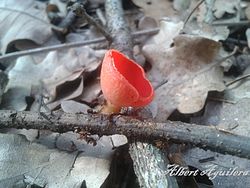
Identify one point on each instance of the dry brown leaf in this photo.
(191, 70)
(73, 64)
(20, 26)
(156, 9)
(168, 31)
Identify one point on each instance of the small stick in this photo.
(191, 13)
(221, 100)
(238, 79)
(100, 15)
(161, 84)
(80, 11)
(240, 23)
(15, 55)
(236, 41)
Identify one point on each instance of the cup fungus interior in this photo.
(133, 73)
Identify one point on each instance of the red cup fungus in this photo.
(123, 82)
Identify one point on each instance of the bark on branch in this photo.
(206, 137)
(117, 26)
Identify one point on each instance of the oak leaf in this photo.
(191, 68)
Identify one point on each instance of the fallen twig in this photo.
(206, 137)
(120, 32)
(15, 55)
(238, 79)
(96, 24)
(194, 9)
(231, 24)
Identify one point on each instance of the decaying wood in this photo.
(153, 164)
(206, 137)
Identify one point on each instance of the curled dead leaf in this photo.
(73, 64)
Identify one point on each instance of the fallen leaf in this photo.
(57, 70)
(156, 9)
(147, 23)
(35, 165)
(70, 89)
(216, 33)
(191, 69)
(225, 6)
(168, 30)
(14, 99)
(73, 64)
(18, 22)
(205, 12)
(70, 106)
(181, 5)
(201, 24)
(22, 77)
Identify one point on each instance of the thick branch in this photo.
(206, 137)
(120, 32)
